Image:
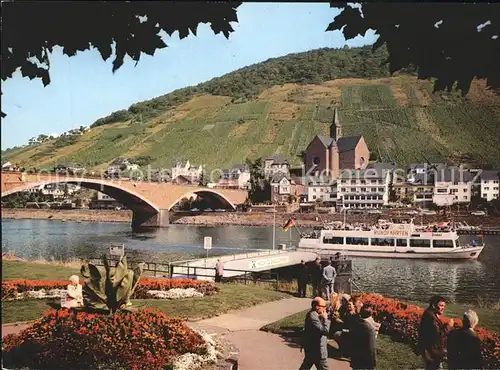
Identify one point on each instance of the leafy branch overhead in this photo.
(441, 40)
(31, 30)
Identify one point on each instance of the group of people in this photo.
(351, 324)
(462, 346)
(322, 278)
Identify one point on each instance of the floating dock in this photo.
(239, 264)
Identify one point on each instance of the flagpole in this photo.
(274, 226)
(295, 225)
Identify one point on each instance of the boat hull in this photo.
(470, 253)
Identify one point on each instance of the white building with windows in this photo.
(238, 177)
(490, 184)
(119, 165)
(187, 170)
(452, 185)
(365, 189)
(321, 189)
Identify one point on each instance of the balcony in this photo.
(368, 201)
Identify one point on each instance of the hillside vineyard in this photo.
(277, 107)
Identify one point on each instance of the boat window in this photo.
(401, 242)
(354, 241)
(442, 243)
(383, 241)
(333, 240)
(424, 243)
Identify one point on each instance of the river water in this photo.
(460, 281)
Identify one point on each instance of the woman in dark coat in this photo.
(464, 346)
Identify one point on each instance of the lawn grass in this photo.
(14, 270)
(230, 297)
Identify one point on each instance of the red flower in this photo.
(87, 340)
(402, 320)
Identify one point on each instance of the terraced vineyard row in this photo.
(400, 120)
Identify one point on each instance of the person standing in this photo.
(362, 340)
(432, 334)
(316, 329)
(464, 346)
(302, 278)
(316, 275)
(329, 274)
(219, 270)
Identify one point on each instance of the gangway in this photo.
(239, 264)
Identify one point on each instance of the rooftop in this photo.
(377, 172)
(319, 180)
(454, 175)
(347, 143)
(415, 166)
(277, 159)
(279, 176)
(490, 175)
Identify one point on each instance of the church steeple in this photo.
(335, 128)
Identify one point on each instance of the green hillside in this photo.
(278, 106)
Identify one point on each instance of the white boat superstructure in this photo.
(391, 240)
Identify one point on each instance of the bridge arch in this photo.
(132, 200)
(204, 191)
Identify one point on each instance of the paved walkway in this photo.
(258, 349)
(13, 328)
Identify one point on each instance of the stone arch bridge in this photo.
(149, 201)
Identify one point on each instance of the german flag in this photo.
(289, 224)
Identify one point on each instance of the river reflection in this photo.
(461, 281)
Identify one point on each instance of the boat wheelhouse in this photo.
(391, 240)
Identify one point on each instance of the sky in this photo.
(83, 87)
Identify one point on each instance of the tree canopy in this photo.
(441, 40)
(311, 67)
(31, 30)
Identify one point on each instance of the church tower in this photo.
(335, 128)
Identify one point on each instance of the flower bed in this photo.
(401, 320)
(145, 339)
(193, 361)
(176, 293)
(23, 289)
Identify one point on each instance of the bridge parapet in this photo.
(146, 198)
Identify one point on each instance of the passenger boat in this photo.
(391, 240)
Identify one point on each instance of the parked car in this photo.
(412, 212)
(428, 213)
(478, 213)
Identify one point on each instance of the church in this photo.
(326, 156)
